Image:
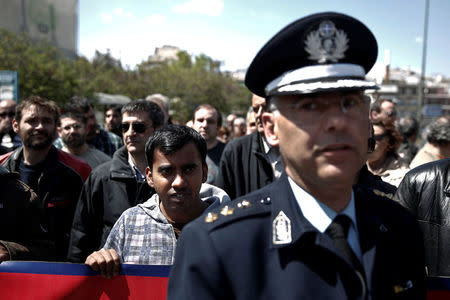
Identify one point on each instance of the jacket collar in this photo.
(49, 161)
(283, 200)
(120, 168)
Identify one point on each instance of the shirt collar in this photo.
(317, 213)
(139, 176)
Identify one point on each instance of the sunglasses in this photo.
(137, 127)
(391, 113)
(378, 137)
(9, 114)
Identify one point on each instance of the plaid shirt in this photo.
(104, 141)
(142, 235)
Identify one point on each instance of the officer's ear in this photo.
(270, 127)
(149, 177)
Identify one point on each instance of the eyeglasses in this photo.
(391, 114)
(9, 114)
(74, 126)
(137, 127)
(308, 110)
(378, 137)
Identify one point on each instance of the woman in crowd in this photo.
(384, 161)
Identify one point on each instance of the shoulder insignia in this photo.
(244, 204)
(383, 194)
(226, 211)
(211, 217)
(281, 229)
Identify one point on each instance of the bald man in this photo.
(249, 163)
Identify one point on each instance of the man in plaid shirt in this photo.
(147, 233)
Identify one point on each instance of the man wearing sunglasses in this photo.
(116, 185)
(9, 140)
(383, 110)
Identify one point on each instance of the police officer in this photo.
(311, 234)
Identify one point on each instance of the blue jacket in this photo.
(231, 252)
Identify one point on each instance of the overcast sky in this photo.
(233, 31)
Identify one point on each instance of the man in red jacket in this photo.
(55, 176)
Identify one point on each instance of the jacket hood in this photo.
(208, 193)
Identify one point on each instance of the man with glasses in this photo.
(383, 110)
(72, 131)
(9, 140)
(116, 185)
(311, 234)
(249, 163)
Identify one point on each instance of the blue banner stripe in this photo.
(79, 269)
(439, 283)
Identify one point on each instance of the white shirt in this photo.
(274, 157)
(321, 216)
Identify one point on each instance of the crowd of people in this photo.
(304, 187)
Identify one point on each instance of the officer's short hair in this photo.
(43, 103)
(154, 111)
(439, 132)
(172, 138)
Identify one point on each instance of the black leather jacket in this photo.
(425, 191)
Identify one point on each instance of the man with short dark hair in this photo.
(383, 110)
(116, 185)
(207, 120)
(311, 234)
(97, 137)
(56, 177)
(176, 169)
(72, 131)
(113, 119)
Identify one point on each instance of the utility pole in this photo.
(424, 59)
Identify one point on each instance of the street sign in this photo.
(9, 85)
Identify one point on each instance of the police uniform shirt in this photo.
(321, 216)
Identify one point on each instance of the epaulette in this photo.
(238, 209)
(383, 194)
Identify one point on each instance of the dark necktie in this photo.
(338, 231)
